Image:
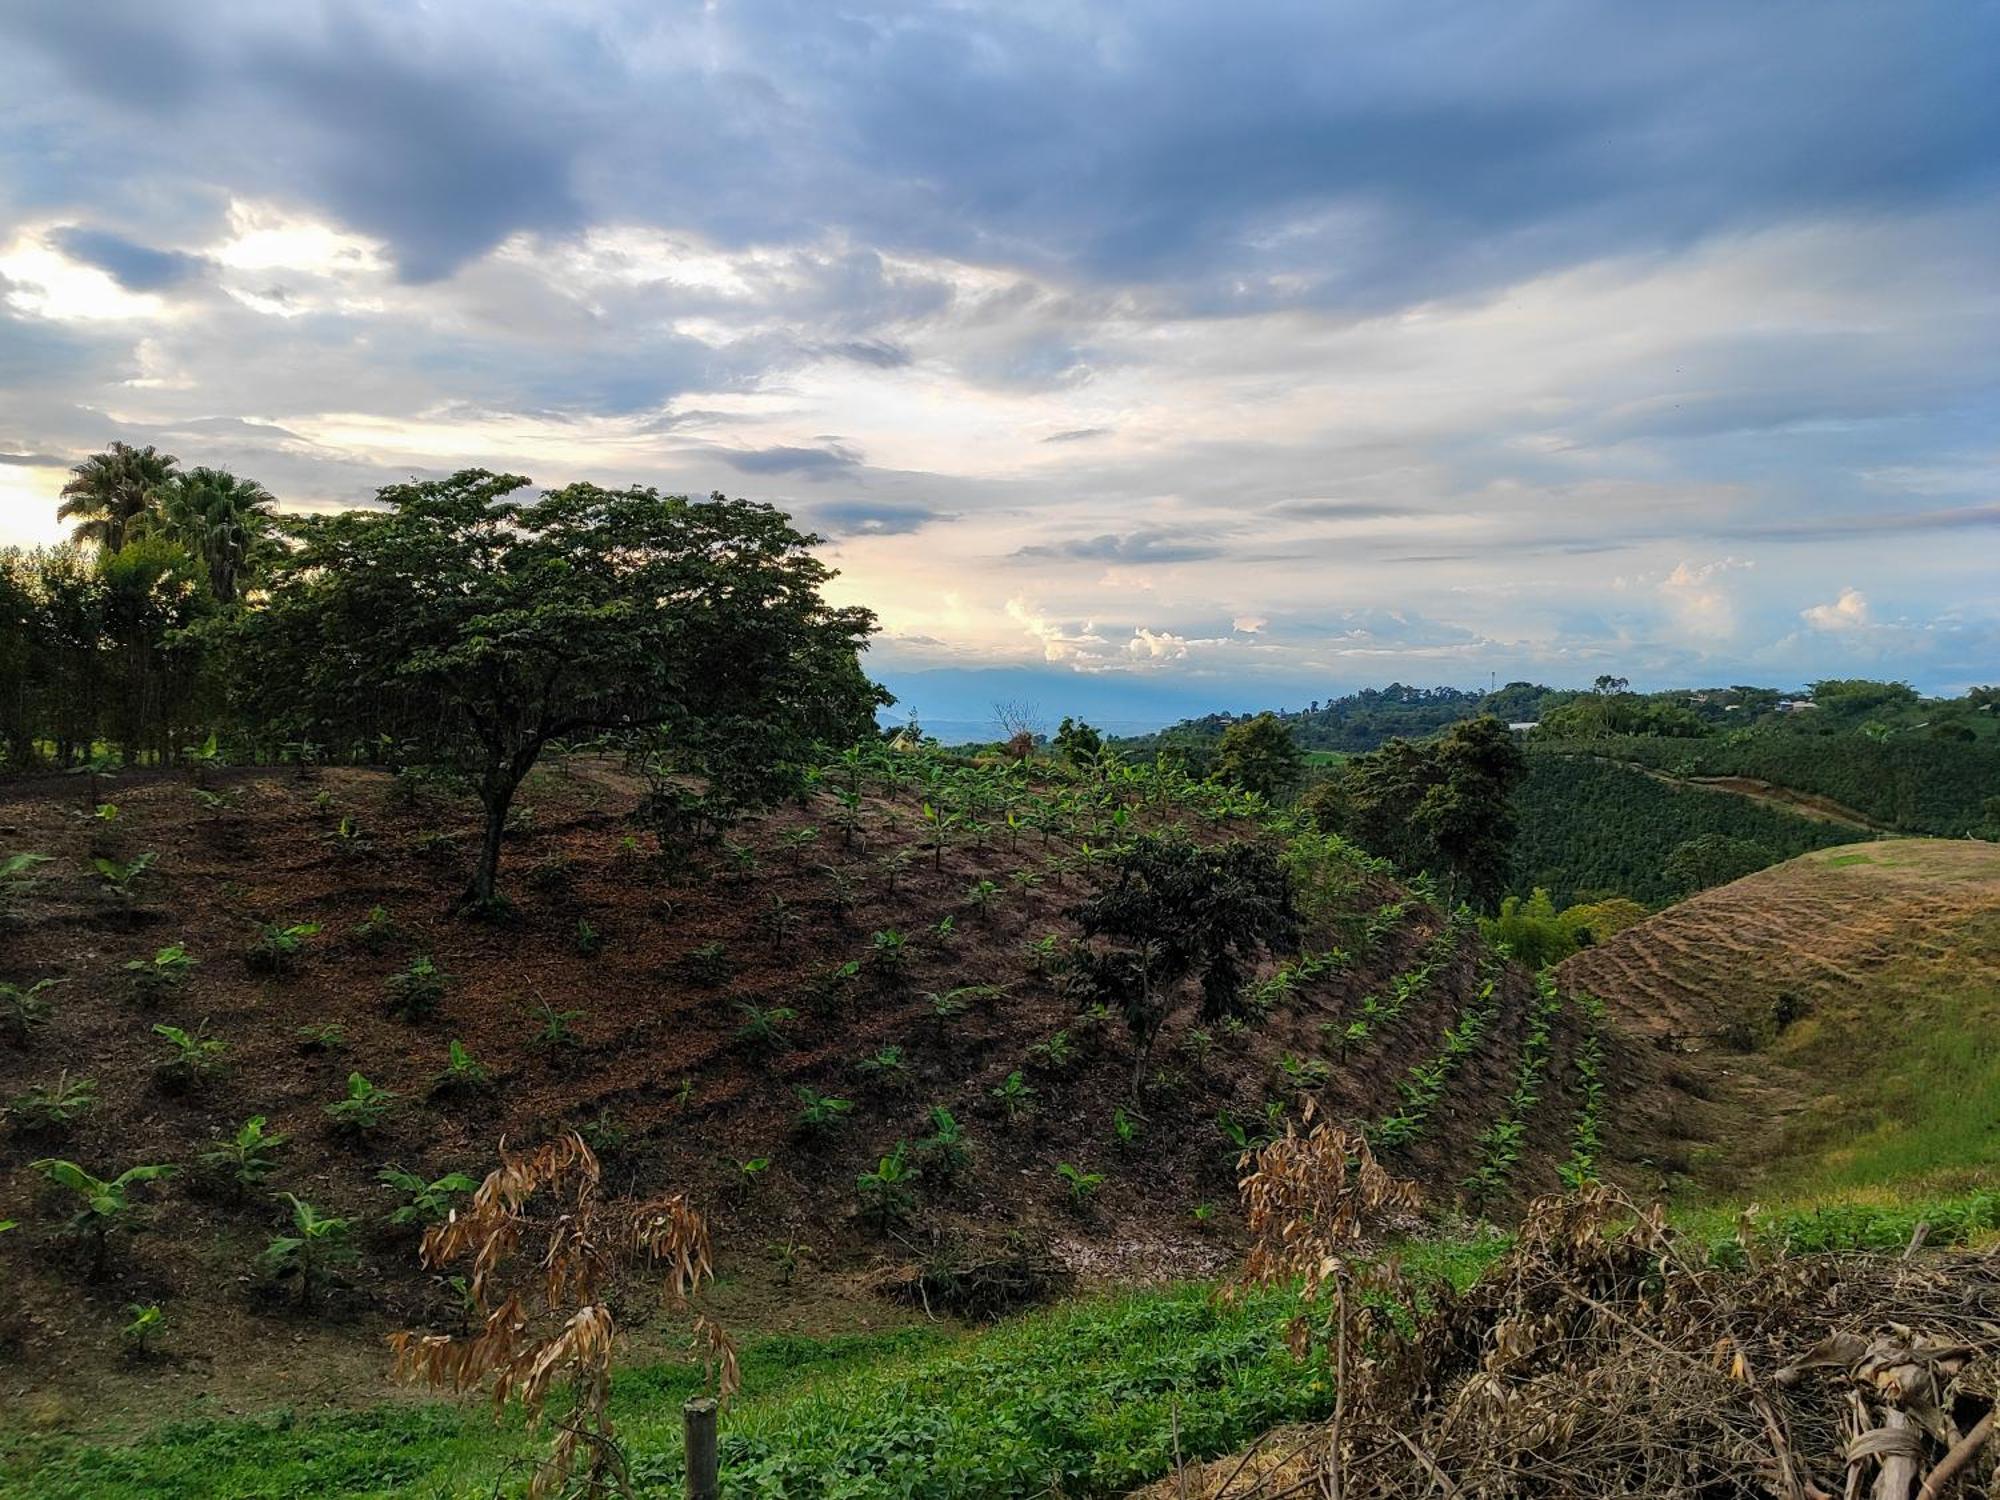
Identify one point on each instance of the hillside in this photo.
(1590, 826)
(726, 1022)
(1831, 1022)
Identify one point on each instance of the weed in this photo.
(887, 1066)
(750, 1169)
(587, 940)
(782, 922)
(1044, 954)
(377, 930)
(556, 1033)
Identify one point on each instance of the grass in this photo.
(1910, 1072)
(1088, 1396)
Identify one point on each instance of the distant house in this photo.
(1795, 705)
(1524, 727)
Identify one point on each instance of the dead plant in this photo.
(543, 1251)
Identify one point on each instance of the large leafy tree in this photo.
(1172, 911)
(480, 627)
(1442, 805)
(1260, 756)
(222, 520)
(110, 492)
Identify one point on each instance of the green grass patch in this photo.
(1086, 1397)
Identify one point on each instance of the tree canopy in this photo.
(1443, 805)
(1260, 756)
(475, 628)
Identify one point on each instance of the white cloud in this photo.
(1848, 612)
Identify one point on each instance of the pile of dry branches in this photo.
(1603, 1357)
(543, 1251)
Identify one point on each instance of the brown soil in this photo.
(659, 1077)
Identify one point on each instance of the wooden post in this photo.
(704, 1478)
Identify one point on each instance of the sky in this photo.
(1133, 359)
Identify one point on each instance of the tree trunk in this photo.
(481, 895)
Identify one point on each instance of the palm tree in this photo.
(109, 491)
(223, 521)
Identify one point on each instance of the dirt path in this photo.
(1805, 804)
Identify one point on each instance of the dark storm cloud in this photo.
(1358, 153)
(135, 267)
(811, 462)
(1150, 546)
(851, 518)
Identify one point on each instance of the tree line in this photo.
(452, 625)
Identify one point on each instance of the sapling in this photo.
(122, 880)
(107, 1205)
(1056, 1053)
(376, 930)
(980, 897)
(279, 949)
(165, 972)
(414, 993)
(246, 1159)
(1082, 1185)
(820, 1114)
(795, 842)
(315, 1249)
(1016, 1096)
(556, 1032)
(424, 1203)
(193, 1057)
(944, 930)
(52, 1107)
(749, 1170)
(364, 1107)
(143, 1325)
(888, 951)
(782, 921)
(24, 1008)
(763, 1027)
(886, 1196)
(887, 1066)
(462, 1074)
(17, 879)
(1124, 1128)
(588, 941)
(323, 1036)
(945, 1148)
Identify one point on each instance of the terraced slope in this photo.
(686, 1011)
(1831, 1024)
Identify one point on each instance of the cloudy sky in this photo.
(1134, 358)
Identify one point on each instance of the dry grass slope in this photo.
(1826, 1026)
